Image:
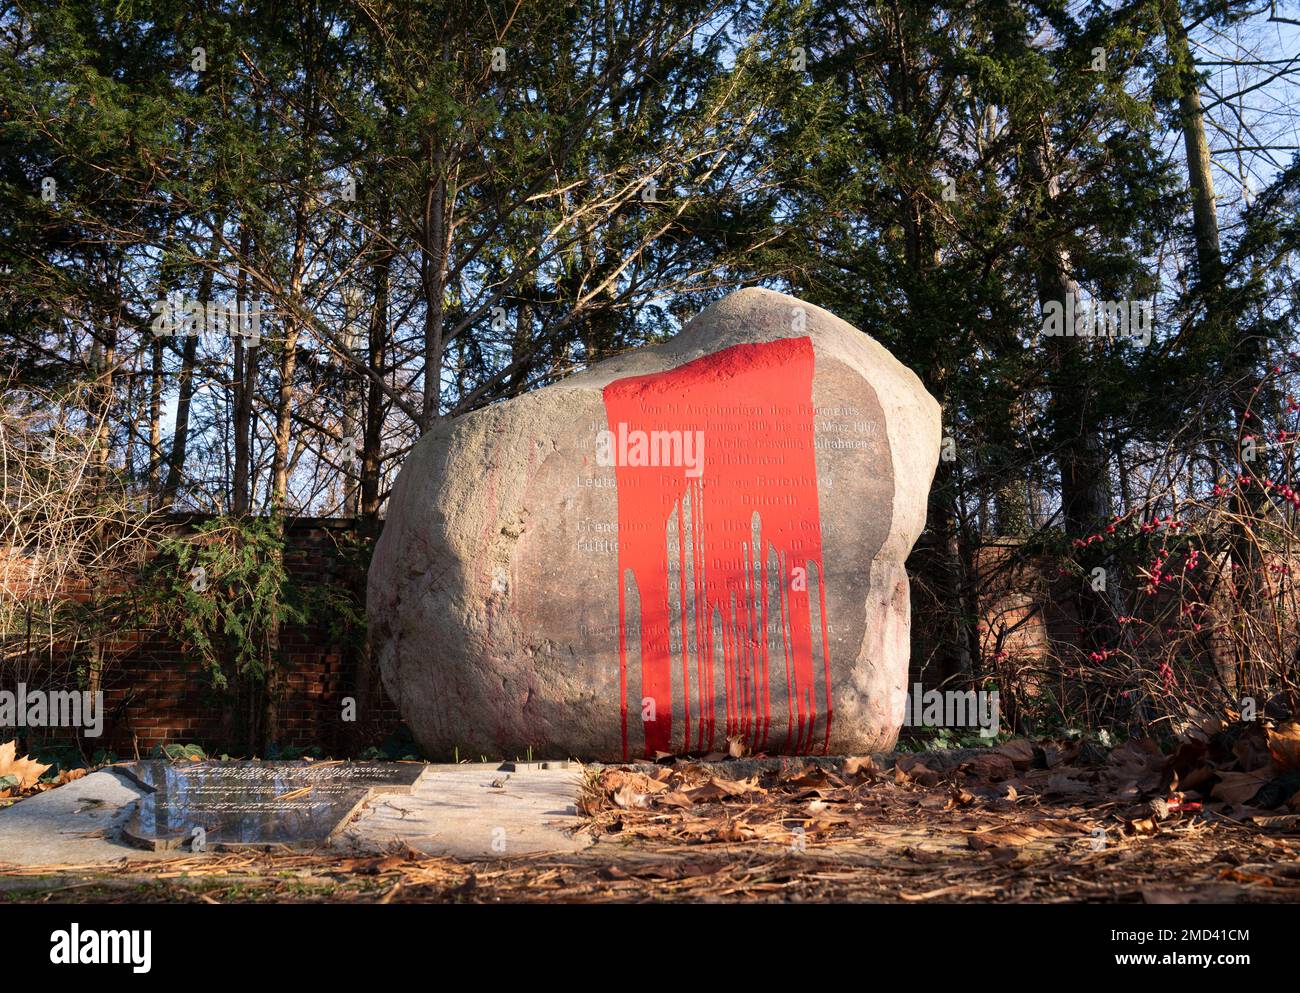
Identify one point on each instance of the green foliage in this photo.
(942, 739)
(177, 752)
(61, 756)
(398, 746)
(921, 170)
(223, 593)
(340, 607)
(290, 753)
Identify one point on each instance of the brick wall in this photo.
(155, 694)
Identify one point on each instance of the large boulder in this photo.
(690, 542)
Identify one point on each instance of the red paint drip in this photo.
(752, 408)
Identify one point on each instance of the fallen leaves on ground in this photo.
(18, 774)
(1196, 862)
(1068, 802)
(1284, 745)
(21, 776)
(1244, 770)
(995, 795)
(1212, 816)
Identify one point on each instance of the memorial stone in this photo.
(232, 805)
(686, 545)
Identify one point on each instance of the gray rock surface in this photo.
(77, 823)
(476, 811)
(465, 811)
(756, 482)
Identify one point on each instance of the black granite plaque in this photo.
(254, 804)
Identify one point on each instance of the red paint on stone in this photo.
(752, 405)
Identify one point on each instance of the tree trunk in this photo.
(1245, 356)
(372, 439)
(185, 388)
(350, 398)
(180, 434)
(1076, 435)
(245, 385)
(1205, 217)
(288, 367)
(434, 243)
(105, 357)
(155, 420)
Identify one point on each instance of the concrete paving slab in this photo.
(477, 811)
(78, 823)
(464, 811)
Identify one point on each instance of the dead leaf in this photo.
(812, 778)
(26, 769)
(1020, 751)
(1238, 787)
(1061, 783)
(1244, 874)
(1204, 725)
(737, 748)
(991, 767)
(1284, 745)
(1278, 822)
(629, 799)
(1189, 766)
(913, 770)
(865, 765)
(1251, 747)
(675, 798)
(716, 789)
(1137, 767)
(1047, 756)
(1277, 792)
(734, 831)
(615, 780)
